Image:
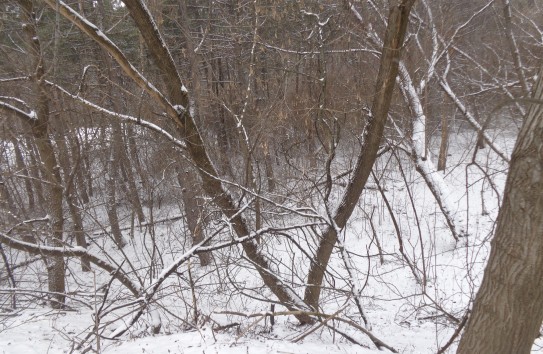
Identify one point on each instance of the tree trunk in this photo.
(507, 311)
(21, 166)
(511, 40)
(49, 165)
(268, 164)
(134, 156)
(75, 149)
(111, 185)
(423, 162)
(444, 146)
(132, 189)
(69, 168)
(192, 200)
(7, 205)
(35, 173)
(388, 71)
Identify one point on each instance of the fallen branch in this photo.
(379, 343)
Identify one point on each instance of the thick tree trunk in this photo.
(388, 71)
(507, 311)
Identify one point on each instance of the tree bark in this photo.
(79, 183)
(35, 172)
(6, 201)
(507, 311)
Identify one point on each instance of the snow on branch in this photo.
(31, 116)
(471, 119)
(15, 99)
(124, 117)
(11, 79)
(99, 37)
(329, 51)
(68, 251)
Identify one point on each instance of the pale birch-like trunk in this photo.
(423, 159)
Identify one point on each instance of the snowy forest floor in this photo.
(411, 315)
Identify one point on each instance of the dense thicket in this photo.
(250, 121)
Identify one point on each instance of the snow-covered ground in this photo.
(414, 301)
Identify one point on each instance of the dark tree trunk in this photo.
(388, 71)
(49, 165)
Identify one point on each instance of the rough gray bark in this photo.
(507, 311)
(388, 71)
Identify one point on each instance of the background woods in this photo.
(171, 165)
